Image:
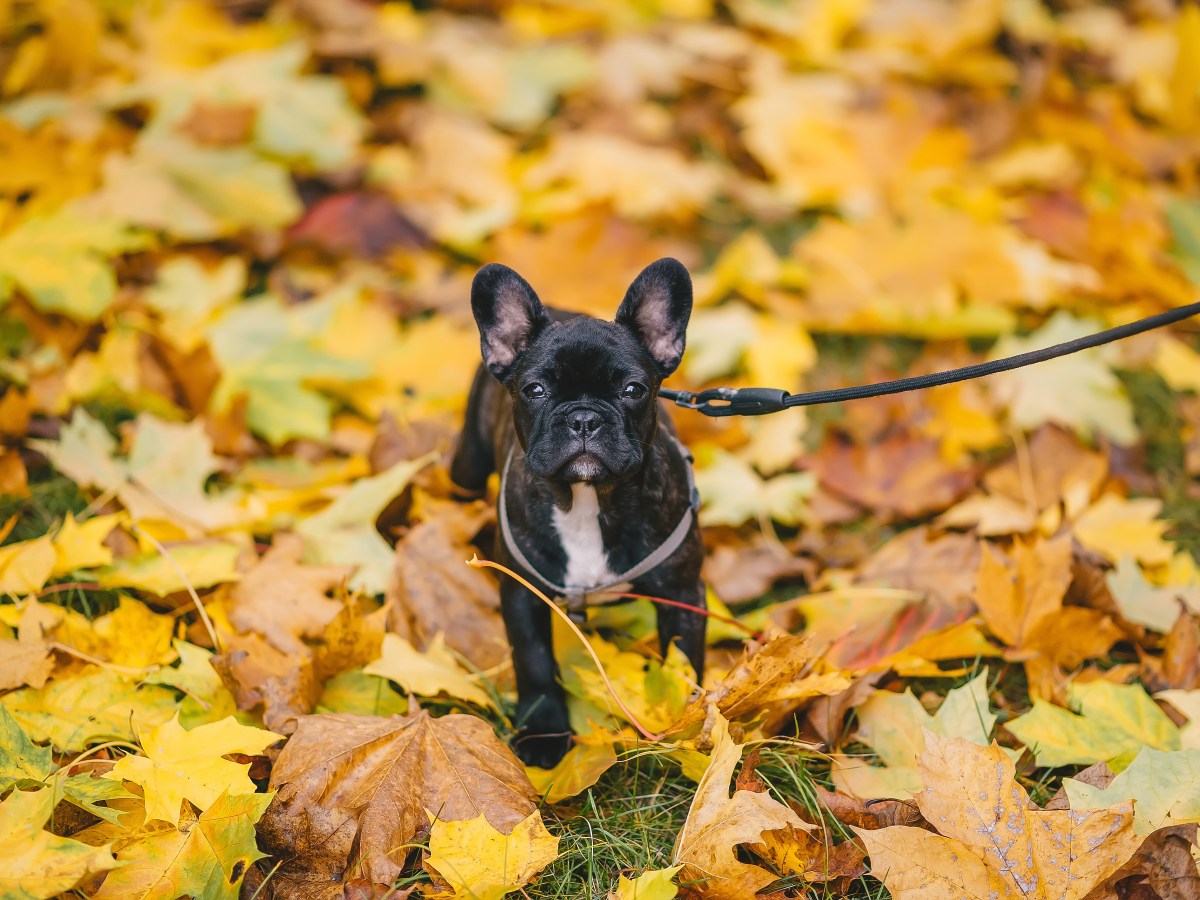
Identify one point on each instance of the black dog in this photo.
(595, 488)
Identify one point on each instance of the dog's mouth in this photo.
(584, 466)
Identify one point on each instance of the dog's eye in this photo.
(634, 391)
(533, 391)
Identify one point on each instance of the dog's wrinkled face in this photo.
(584, 391)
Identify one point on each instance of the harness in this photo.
(576, 595)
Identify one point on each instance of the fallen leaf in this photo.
(654, 884)
(1079, 391)
(894, 726)
(284, 601)
(992, 843)
(35, 863)
(284, 686)
(1141, 602)
(357, 692)
(197, 566)
(90, 706)
(1165, 788)
(1188, 703)
(1113, 720)
(717, 823)
(428, 673)
(358, 784)
(343, 534)
(478, 861)
(733, 493)
(206, 857)
(188, 765)
(1017, 594)
(432, 585)
(1115, 527)
(575, 773)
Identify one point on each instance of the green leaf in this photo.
(1164, 788)
(343, 534)
(87, 792)
(1114, 721)
(93, 706)
(22, 762)
(357, 692)
(62, 261)
(1183, 217)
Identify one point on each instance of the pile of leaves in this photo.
(956, 650)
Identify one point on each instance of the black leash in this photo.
(723, 401)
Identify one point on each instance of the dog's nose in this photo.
(584, 422)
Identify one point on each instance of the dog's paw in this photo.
(542, 750)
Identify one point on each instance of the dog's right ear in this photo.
(509, 315)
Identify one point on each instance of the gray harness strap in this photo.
(576, 596)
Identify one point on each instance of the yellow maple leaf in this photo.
(80, 545)
(429, 673)
(656, 884)
(188, 765)
(992, 843)
(25, 565)
(481, 863)
(1114, 527)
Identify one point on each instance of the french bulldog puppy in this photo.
(595, 487)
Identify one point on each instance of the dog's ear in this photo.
(656, 309)
(509, 315)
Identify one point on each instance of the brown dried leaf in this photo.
(434, 586)
(285, 601)
(1057, 467)
(1164, 868)
(746, 570)
(992, 843)
(282, 685)
(899, 477)
(945, 566)
(354, 790)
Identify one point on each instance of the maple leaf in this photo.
(91, 705)
(1164, 788)
(577, 771)
(207, 699)
(991, 843)
(35, 863)
(429, 673)
(206, 857)
(894, 726)
(1078, 391)
(717, 823)
(477, 861)
(1113, 720)
(362, 784)
(284, 601)
(734, 493)
(357, 692)
(343, 534)
(187, 765)
(656, 884)
(1016, 597)
(1116, 527)
(38, 254)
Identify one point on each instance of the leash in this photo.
(756, 401)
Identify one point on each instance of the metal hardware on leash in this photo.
(757, 401)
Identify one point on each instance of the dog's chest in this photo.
(583, 546)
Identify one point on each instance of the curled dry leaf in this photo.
(353, 791)
(775, 680)
(991, 842)
(717, 823)
(281, 685)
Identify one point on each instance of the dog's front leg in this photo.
(544, 733)
(681, 626)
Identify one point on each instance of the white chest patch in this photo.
(579, 533)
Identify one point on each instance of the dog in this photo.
(596, 489)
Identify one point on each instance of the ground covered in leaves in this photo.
(956, 644)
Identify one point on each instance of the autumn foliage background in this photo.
(957, 649)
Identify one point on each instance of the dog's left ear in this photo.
(656, 309)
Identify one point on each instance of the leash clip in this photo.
(723, 401)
